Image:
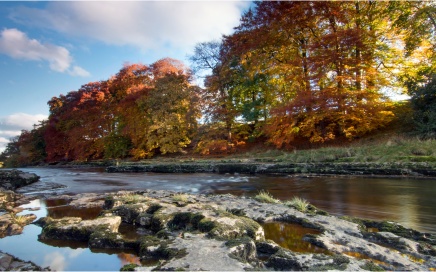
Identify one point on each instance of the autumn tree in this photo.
(309, 69)
(78, 124)
(217, 98)
(26, 149)
(141, 111)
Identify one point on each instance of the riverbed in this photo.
(410, 202)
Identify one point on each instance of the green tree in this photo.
(423, 99)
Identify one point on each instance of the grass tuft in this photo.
(180, 197)
(132, 198)
(19, 220)
(266, 197)
(298, 203)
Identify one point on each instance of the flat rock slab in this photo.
(415, 169)
(204, 254)
(74, 228)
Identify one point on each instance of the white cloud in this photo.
(3, 143)
(18, 45)
(143, 24)
(79, 71)
(21, 120)
(55, 260)
(12, 125)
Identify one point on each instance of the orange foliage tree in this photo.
(309, 69)
(141, 111)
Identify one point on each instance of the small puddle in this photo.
(133, 233)
(59, 208)
(56, 202)
(362, 256)
(290, 236)
(69, 211)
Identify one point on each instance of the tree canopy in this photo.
(292, 71)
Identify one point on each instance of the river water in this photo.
(411, 202)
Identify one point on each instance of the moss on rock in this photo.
(242, 249)
(74, 228)
(102, 238)
(130, 212)
(129, 267)
(229, 226)
(151, 247)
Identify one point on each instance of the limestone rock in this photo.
(11, 263)
(202, 253)
(243, 249)
(14, 179)
(74, 228)
(222, 232)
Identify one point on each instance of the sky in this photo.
(52, 48)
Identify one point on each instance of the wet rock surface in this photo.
(415, 169)
(224, 232)
(10, 181)
(10, 222)
(14, 179)
(11, 263)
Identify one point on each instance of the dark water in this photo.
(290, 236)
(62, 255)
(411, 202)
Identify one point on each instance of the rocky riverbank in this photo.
(224, 232)
(416, 169)
(10, 222)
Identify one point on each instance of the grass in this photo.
(180, 197)
(266, 197)
(298, 203)
(381, 149)
(132, 198)
(19, 220)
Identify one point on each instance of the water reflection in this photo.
(290, 236)
(62, 255)
(410, 202)
(69, 211)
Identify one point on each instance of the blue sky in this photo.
(51, 48)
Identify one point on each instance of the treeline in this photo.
(291, 72)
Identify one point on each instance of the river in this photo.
(411, 202)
